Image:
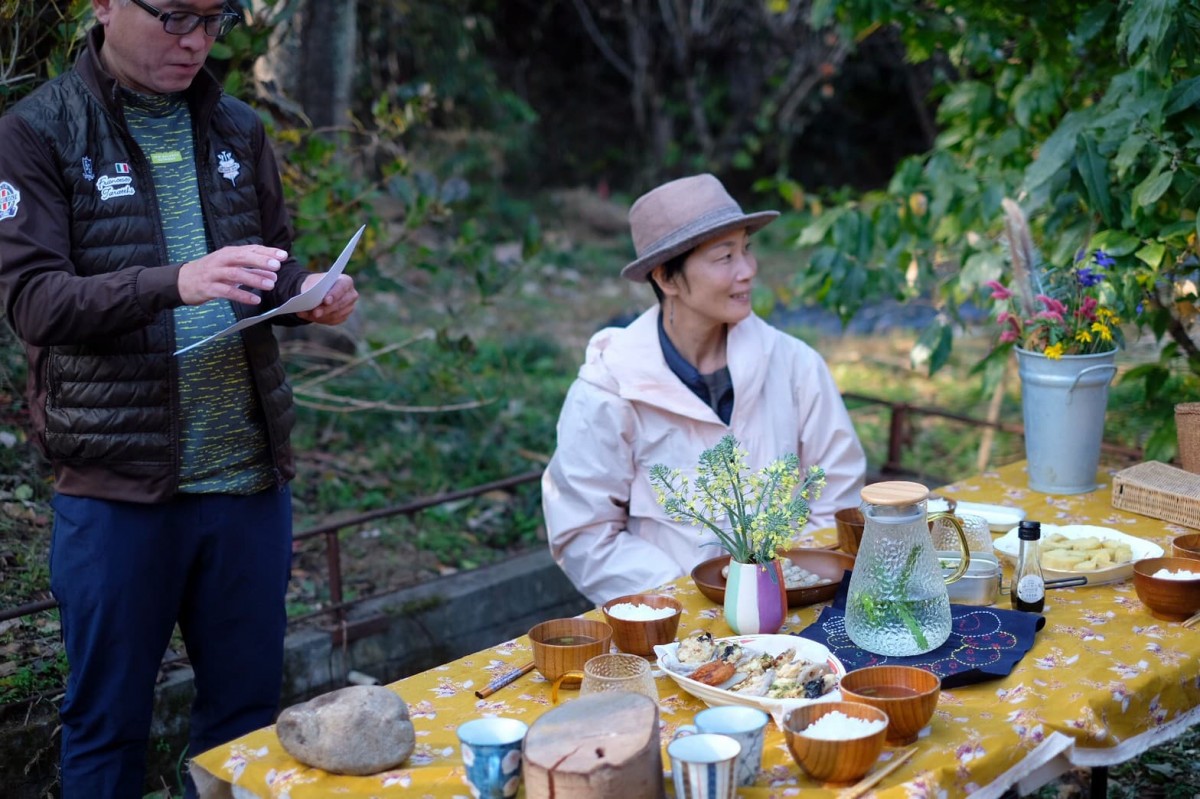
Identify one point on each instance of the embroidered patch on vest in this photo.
(122, 168)
(10, 198)
(228, 166)
(88, 173)
(166, 157)
(119, 186)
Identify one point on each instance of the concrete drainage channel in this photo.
(396, 635)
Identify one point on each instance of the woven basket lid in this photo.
(1187, 408)
(895, 492)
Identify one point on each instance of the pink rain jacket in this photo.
(627, 411)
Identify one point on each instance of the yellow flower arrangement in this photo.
(764, 509)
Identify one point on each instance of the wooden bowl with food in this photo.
(908, 695)
(1168, 587)
(641, 622)
(835, 741)
(817, 571)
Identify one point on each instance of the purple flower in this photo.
(1103, 259)
(1087, 278)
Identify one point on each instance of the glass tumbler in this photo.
(975, 528)
(618, 672)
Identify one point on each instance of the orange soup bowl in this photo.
(850, 523)
(562, 645)
(834, 760)
(1167, 599)
(1186, 546)
(640, 636)
(907, 694)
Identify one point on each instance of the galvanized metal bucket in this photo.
(1064, 401)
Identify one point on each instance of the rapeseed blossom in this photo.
(753, 515)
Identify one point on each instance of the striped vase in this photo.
(755, 597)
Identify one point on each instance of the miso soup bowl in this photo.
(845, 760)
(562, 645)
(907, 694)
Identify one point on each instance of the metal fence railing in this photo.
(899, 427)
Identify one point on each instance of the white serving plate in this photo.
(1009, 546)
(771, 644)
(1000, 518)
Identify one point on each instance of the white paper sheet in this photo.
(304, 301)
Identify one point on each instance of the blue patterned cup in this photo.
(491, 753)
(744, 725)
(703, 766)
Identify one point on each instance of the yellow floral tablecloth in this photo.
(1103, 682)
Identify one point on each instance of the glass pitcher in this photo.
(897, 603)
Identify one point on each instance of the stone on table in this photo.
(363, 729)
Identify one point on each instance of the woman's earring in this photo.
(671, 318)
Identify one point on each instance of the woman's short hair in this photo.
(671, 268)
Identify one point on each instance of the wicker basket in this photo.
(1160, 491)
(1187, 425)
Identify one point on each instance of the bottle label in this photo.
(1031, 588)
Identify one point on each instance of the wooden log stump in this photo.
(595, 747)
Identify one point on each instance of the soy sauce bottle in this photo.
(1029, 587)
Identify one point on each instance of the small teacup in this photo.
(704, 765)
(744, 725)
(491, 753)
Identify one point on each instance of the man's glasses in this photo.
(181, 23)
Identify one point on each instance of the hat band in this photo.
(697, 226)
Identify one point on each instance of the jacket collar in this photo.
(630, 363)
(202, 95)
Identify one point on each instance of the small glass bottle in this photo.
(1029, 587)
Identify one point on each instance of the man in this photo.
(140, 211)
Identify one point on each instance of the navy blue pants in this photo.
(124, 574)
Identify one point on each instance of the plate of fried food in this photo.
(1102, 554)
(771, 672)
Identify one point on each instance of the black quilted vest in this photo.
(107, 411)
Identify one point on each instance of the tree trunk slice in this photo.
(595, 747)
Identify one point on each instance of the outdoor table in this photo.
(1104, 682)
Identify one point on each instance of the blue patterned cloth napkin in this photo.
(985, 642)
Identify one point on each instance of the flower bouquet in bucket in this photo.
(753, 516)
(1060, 323)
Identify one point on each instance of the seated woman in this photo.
(698, 366)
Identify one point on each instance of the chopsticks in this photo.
(1192, 622)
(869, 782)
(503, 680)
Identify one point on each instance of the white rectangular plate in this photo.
(771, 644)
(1009, 546)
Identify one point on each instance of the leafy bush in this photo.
(1089, 114)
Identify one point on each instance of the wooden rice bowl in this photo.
(821, 562)
(639, 637)
(834, 761)
(1169, 600)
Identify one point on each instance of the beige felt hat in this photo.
(677, 216)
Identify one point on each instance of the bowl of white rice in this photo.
(835, 741)
(641, 622)
(1168, 587)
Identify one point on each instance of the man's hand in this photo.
(222, 274)
(338, 303)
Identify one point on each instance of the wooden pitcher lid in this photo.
(895, 492)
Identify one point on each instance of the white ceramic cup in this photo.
(703, 766)
(744, 725)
